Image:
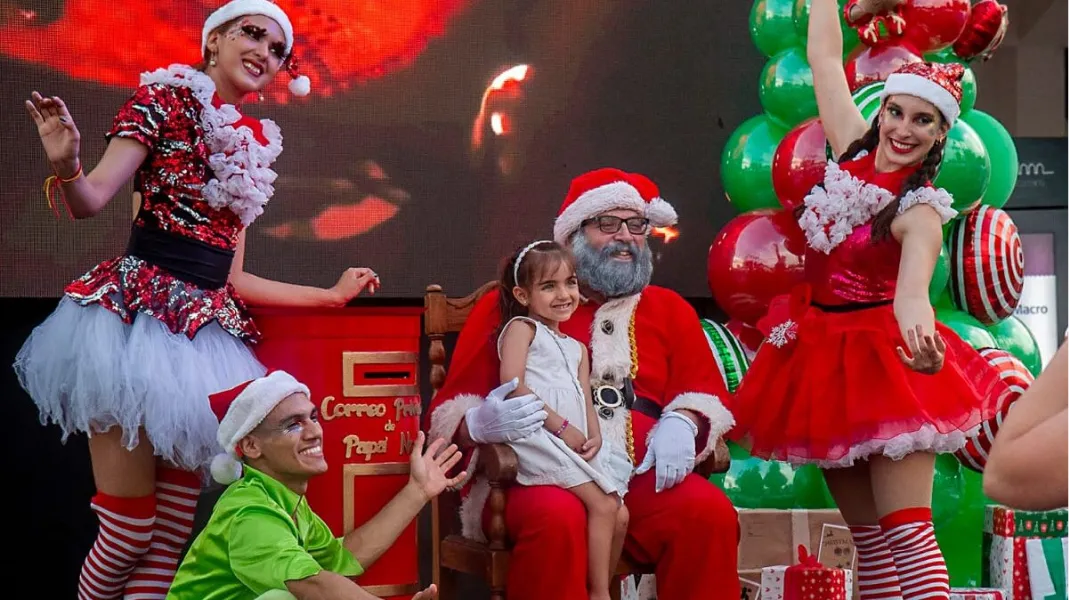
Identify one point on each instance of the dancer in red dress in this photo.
(658, 393)
(138, 343)
(855, 375)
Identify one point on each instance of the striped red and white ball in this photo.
(986, 264)
(1015, 375)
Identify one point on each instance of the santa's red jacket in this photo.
(657, 329)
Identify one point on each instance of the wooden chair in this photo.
(451, 552)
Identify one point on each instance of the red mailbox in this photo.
(361, 365)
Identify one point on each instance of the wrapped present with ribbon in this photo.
(806, 580)
(977, 594)
(1025, 553)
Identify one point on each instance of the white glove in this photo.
(500, 420)
(671, 448)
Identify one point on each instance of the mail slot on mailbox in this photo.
(362, 366)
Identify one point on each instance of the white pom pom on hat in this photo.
(300, 85)
(239, 410)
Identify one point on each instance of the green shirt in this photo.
(252, 544)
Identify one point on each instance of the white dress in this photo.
(552, 373)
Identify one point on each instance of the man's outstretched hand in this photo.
(429, 470)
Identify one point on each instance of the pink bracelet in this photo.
(560, 431)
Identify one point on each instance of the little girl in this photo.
(538, 291)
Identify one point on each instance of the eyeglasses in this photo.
(611, 224)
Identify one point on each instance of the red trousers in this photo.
(690, 532)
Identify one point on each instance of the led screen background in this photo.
(407, 157)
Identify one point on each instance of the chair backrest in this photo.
(444, 315)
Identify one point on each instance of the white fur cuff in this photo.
(709, 406)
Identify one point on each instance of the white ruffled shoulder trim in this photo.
(937, 198)
(243, 177)
(842, 204)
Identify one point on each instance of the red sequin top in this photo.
(206, 177)
(843, 265)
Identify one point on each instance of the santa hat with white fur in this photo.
(937, 83)
(596, 192)
(299, 85)
(239, 410)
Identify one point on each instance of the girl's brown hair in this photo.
(540, 259)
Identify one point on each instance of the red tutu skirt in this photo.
(828, 388)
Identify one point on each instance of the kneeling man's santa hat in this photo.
(239, 410)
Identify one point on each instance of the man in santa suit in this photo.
(658, 393)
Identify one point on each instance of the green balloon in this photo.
(1003, 154)
(867, 100)
(948, 487)
(960, 538)
(940, 276)
(971, 331)
(944, 301)
(772, 26)
(746, 165)
(754, 483)
(786, 88)
(966, 168)
(1013, 336)
(801, 26)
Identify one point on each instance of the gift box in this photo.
(1024, 553)
(806, 579)
(977, 594)
(770, 537)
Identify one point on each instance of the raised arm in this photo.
(85, 193)
(841, 119)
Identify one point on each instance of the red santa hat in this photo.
(937, 83)
(596, 192)
(299, 85)
(239, 410)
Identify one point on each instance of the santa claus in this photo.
(658, 393)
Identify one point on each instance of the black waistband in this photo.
(852, 306)
(190, 260)
(647, 407)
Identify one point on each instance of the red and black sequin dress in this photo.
(827, 386)
(142, 339)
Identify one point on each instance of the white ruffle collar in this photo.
(241, 164)
(845, 202)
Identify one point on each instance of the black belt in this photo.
(851, 307)
(647, 407)
(190, 260)
(608, 397)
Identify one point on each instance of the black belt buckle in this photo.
(607, 398)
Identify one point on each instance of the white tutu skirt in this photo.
(87, 371)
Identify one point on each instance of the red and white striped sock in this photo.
(122, 539)
(921, 569)
(877, 578)
(176, 501)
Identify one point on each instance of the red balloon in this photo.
(984, 32)
(934, 24)
(757, 256)
(748, 335)
(868, 65)
(799, 163)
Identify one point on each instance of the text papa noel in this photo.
(330, 408)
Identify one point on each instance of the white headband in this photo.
(519, 259)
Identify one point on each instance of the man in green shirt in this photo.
(263, 541)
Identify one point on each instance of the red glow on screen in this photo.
(339, 42)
